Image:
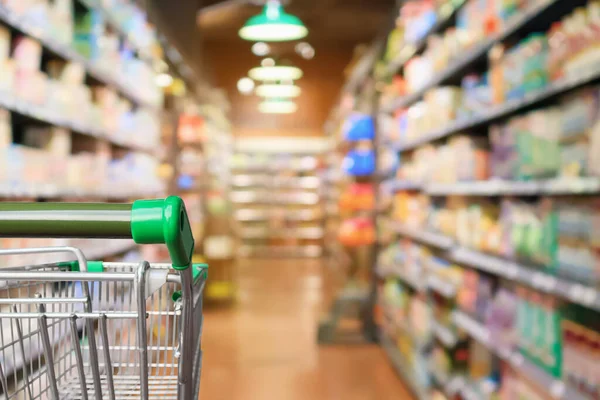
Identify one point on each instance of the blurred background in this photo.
(398, 199)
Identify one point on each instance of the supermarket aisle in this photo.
(265, 349)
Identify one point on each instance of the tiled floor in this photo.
(264, 348)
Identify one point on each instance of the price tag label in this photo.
(543, 282)
(550, 283)
(576, 293)
(538, 280)
(512, 271)
(516, 359)
(589, 296)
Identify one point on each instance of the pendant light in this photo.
(270, 71)
(281, 90)
(277, 106)
(273, 25)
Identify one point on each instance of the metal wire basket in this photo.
(91, 329)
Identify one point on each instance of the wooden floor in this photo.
(264, 348)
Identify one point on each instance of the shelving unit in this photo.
(529, 275)
(448, 239)
(555, 388)
(87, 122)
(460, 66)
(276, 191)
(399, 365)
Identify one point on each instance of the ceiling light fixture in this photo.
(267, 62)
(245, 85)
(305, 50)
(261, 49)
(163, 80)
(273, 25)
(278, 90)
(275, 73)
(277, 107)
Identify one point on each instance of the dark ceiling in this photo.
(336, 27)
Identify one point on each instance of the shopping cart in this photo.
(90, 329)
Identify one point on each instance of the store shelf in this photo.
(510, 107)
(250, 215)
(44, 114)
(472, 56)
(400, 366)
(528, 275)
(248, 197)
(444, 335)
(498, 187)
(48, 190)
(310, 164)
(559, 186)
(430, 238)
(308, 182)
(440, 286)
(387, 272)
(295, 233)
(451, 386)
(514, 271)
(444, 17)
(280, 251)
(553, 387)
(65, 51)
(397, 185)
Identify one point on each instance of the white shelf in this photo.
(430, 238)
(397, 185)
(572, 291)
(558, 186)
(67, 52)
(451, 386)
(444, 335)
(553, 387)
(440, 286)
(44, 114)
(280, 251)
(250, 215)
(397, 273)
(264, 196)
(297, 233)
(308, 182)
(48, 190)
(514, 271)
(400, 366)
(504, 110)
(471, 56)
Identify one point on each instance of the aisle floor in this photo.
(264, 348)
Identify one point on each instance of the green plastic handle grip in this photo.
(145, 221)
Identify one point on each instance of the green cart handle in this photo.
(145, 221)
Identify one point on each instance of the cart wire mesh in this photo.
(113, 335)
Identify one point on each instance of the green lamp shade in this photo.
(273, 25)
(275, 73)
(278, 90)
(277, 106)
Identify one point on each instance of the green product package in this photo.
(525, 154)
(554, 340)
(550, 242)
